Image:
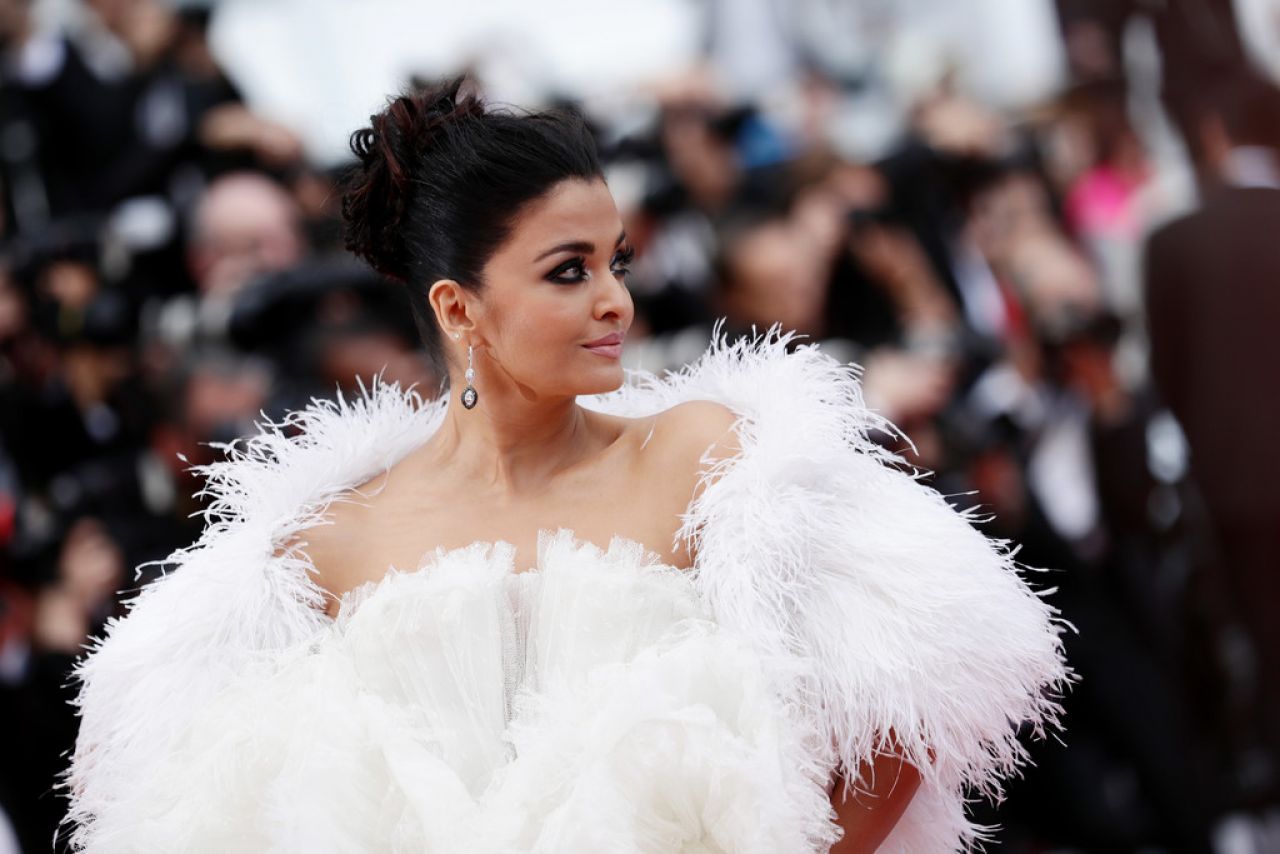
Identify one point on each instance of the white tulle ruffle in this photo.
(631, 722)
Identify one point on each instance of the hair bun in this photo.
(379, 188)
(440, 181)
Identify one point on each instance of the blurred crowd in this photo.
(1071, 307)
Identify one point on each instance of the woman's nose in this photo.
(614, 299)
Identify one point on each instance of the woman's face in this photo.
(555, 286)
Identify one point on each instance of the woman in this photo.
(558, 609)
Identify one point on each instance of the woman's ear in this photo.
(449, 300)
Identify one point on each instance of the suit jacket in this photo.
(1213, 305)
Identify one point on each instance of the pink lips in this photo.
(610, 345)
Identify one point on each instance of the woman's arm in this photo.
(869, 814)
(889, 782)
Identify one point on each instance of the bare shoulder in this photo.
(676, 448)
(331, 546)
(692, 436)
(701, 426)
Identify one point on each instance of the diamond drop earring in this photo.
(469, 394)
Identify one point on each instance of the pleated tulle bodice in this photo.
(587, 704)
(464, 640)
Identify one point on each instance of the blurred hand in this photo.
(956, 125)
(897, 262)
(1013, 211)
(890, 254)
(905, 386)
(277, 144)
(692, 86)
(90, 565)
(60, 624)
(819, 215)
(72, 284)
(15, 22)
(147, 28)
(232, 126)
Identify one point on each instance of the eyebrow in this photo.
(584, 246)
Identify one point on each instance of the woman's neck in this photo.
(516, 446)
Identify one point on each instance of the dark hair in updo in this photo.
(440, 180)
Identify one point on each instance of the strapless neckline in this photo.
(474, 704)
(503, 551)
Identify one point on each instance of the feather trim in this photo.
(882, 608)
(224, 603)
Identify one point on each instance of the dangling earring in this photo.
(469, 394)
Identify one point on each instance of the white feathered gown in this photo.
(598, 702)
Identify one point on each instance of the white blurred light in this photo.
(323, 66)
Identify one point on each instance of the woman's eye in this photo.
(575, 270)
(622, 262)
(568, 272)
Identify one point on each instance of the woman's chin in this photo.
(602, 382)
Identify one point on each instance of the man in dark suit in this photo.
(1212, 292)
